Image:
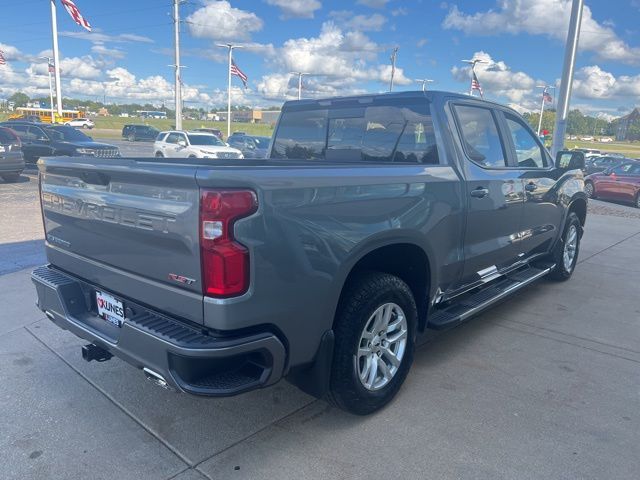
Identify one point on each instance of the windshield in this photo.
(261, 142)
(202, 139)
(67, 134)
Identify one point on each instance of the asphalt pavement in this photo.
(543, 386)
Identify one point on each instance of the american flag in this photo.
(3, 61)
(238, 73)
(546, 97)
(75, 14)
(475, 84)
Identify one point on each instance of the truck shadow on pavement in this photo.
(19, 255)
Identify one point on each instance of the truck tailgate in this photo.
(127, 226)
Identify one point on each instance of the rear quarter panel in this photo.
(315, 222)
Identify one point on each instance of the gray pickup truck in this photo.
(375, 218)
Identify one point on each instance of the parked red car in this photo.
(620, 183)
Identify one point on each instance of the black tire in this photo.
(131, 138)
(364, 296)
(159, 155)
(10, 177)
(563, 272)
(192, 156)
(637, 202)
(590, 189)
(85, 126)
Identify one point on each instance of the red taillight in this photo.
(225, 262)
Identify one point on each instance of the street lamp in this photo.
(424, 81)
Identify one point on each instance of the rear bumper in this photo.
(12, 162)
(189, 358)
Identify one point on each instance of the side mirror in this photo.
(570, 160)
(182, 143)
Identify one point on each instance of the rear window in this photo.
(6, 137)
(398, 132)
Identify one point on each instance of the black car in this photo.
(44, 140)
(251, 146)
(11, 160)
(133, 133)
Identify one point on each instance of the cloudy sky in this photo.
(345, 44)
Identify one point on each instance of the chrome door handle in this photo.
(479, 192)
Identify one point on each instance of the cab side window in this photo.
(529, 153)
(172, 138)
(480, 137)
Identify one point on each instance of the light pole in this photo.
(300, 75)
(53, 111)
(424, 82)
(230, 47)
(473, 63)
(178, 82)
(394, 56)
(567, 77)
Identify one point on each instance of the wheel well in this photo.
(579, 207)
(406, 261)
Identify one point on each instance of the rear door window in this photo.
(479, 135)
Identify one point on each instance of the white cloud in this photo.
(363, 23)
(218, 20)
(373, 3)
(593, 83)
(340, 62)
(296, 8)
(101, 49)
(96, 36)
(544, 17)
(496, 78)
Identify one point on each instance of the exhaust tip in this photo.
(155, 378)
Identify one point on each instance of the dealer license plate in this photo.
(110, 308)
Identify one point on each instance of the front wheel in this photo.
(159, 155)
(131, 138)
(589, 189)
(566, 252)
(85, 126)
(638, 200)
(375, 331)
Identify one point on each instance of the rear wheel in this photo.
(131, 138)
(85, 126)
(375, 332)
(566, 252)
(638, 200)
(159, 155)
(589, 189)
(10, 177)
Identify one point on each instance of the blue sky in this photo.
(345, 44)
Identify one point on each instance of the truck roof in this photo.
(371, 97)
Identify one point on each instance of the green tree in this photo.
(20, 99)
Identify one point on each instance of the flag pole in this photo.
(52, 108)
(229, 93)
(56, 60)
(541, 108)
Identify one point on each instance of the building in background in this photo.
(629, 126)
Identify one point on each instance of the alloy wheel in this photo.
(382, 346)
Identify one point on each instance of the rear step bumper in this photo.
(185, 356)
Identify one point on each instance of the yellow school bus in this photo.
(45, 114)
